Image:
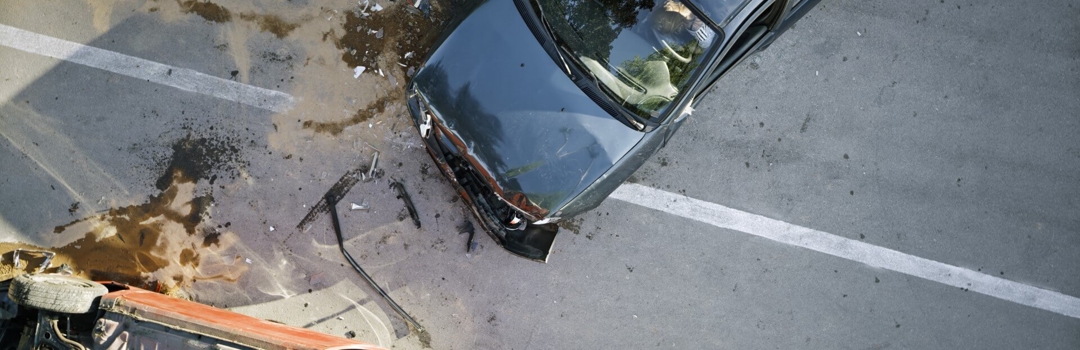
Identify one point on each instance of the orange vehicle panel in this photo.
(218, 323)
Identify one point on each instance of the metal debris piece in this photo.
(467, 227)
(362, 206)
(371, 170)
(339, 190)
(44, 264)
(332, 204)
(65, 270)
(400, 188)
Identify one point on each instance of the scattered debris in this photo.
(271, 229)
(350, 334)
(44, 264)
(332, 204)
(400, 188)
(363, 206)
(357, 71)
(340, 188)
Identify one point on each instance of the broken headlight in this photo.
(426, 115)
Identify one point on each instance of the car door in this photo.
(750, 35)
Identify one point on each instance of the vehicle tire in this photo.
(56, 293)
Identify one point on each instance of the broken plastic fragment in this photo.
(271, 229)
(360, 206)
(374, 162)
(357, 71)
(381, 73)
(409, 54)
(377, 7)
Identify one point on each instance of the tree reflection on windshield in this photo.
(642, 52)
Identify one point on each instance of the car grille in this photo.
(477, 187)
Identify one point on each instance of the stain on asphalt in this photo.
(207, 10)
(165, 243)
(218, 14)
(202, 159)
(364, 114)
(271, 24)
(574, 225)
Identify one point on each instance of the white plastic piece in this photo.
(357, 71)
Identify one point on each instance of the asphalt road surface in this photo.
(886, 175)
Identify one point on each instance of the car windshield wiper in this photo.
(559, 44)
(562, 50)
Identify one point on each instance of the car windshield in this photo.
(641, 52)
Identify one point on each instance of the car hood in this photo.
(516, 113)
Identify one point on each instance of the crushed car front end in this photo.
(524, 142)
(528, 235)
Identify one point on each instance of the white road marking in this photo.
(180, 78)
(776, 230)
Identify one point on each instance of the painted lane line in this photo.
(776, 230)
(180, 78)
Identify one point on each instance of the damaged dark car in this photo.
(537, 110)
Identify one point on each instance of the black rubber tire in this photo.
(56, 293)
